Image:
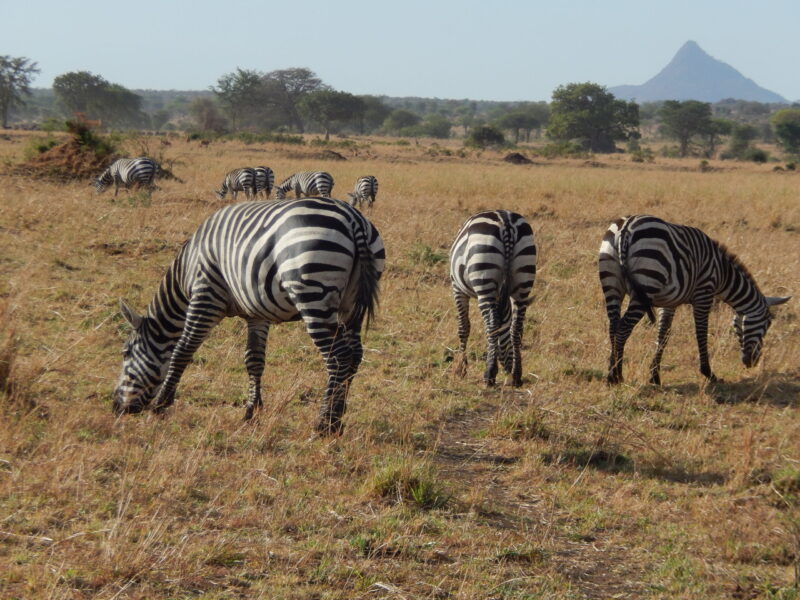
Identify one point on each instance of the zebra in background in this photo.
(306, 183)
(493, 259)
(315, 259)
(238, 180)
(139, 171)
(664, 265)
(366, 190)
(265, 180)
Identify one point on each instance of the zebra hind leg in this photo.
(517, 323)
(462, 307)
(664, 325)
(490, 319)
(621, 331)
(254, 356)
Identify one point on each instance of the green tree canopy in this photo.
(786, 124)
(682, 120)
(285, 88)
(328, 107)
(485, 135)
(93, 96)
(241, 95)
(206, 116)
(589, 111)
(399, 119)
(15, 78)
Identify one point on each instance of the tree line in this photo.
(584, 116)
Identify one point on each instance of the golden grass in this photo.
(564, 488)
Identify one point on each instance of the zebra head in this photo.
(280, 193)
(142, 369)
(750, 330)
(103, 181)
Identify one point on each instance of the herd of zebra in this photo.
(319, 260)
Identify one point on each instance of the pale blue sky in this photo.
(489, 50)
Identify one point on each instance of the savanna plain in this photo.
(438, 488)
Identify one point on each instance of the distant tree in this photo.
(742, 134)
(786, 125)
(399, 119)
(328, 107)
(16, 74)
(240, 94)
(485, 135)
(589, 111)
(712, 136)
(375, 113)
(160, 118)
(91, 95)
(286, 87)
(206, 116)
(436, 126)
(683, 120)
(518, 121)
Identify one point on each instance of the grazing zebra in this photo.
(664, 265)
(314, 259)
(238, 180)
(366, 190)
(128, 171)
(306, 183)
(493, 259)
(265, 180)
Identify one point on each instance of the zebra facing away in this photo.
(493, 259)
(306, 183)
(365, 190)
(317, 260)
(238, 180)
(129, 172)
(664, 265)
(265, 180)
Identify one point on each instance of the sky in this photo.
(482, 50)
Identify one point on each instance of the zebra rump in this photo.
(317, 260)
(265, 180)
(306, 183)
(493, 259)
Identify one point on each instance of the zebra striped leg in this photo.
(701, 309)
(517, 323)
(491, 321)
(462, 306)
(621, 332)
(203, 313)
(665, 317)
(334, 343)
(257, 332)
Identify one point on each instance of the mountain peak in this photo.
(693, 74)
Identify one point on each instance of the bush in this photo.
(484, 136)
(757, 155)
(569, 149)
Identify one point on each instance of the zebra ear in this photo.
(773, 300)
(130, 315)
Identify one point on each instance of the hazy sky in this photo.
(488, 50)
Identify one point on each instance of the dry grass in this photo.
(438, 489)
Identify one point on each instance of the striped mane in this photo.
(737, 264)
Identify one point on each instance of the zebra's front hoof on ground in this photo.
(489, 382)
(655, 379)
(460, 366)
(614, 378)
(162, 403)
(516, 381)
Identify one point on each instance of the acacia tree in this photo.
(518, 121)
(91, 95)
(15, 78)
(786, 124)
(682, 120)
(286, 87)
(589, 111)
(327, 107)
(240, 94)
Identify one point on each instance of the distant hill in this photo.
(694, 75)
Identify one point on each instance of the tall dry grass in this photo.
(439, 488)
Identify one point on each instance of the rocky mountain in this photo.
(694, 75)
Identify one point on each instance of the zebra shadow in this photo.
(776, 389)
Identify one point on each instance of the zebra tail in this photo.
(508, 253)
(367, 279)
(638, 293)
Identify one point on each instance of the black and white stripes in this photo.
(238, 180)
(306, 183)
(316, 260)
(660, 264)
(265, 180)
(493, 259)
(129, 172)
(365, 190)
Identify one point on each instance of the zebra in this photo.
(366, 189)
(664, 265)
(238, 180)
(317, 260)
(306, 183)
(493, 259)
(139, 171)
(265, 180)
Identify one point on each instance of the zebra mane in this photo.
(737, 264)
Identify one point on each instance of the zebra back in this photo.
(306, 183)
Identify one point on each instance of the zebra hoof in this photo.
(489, 382)
(614, 379)
(517, 382)
(326, 428)
(655, 379)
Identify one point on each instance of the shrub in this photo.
(757, 155)
(484, 136)
(570, 149)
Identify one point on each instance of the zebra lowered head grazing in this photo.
(238, 180)
(663, 265)
(366, 190)
(265, 180)
(306, 183)
(493, 259)
(317, 260)
(127, 171)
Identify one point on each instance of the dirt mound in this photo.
(515, 158)
(330, 155)
(68, 161)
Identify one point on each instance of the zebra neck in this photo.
(167, 311)
(740, 290)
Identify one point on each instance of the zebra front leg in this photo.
(701, 308)
(665, 317)
(491, 320)
(621, 332)
(254, 357)
(201, 317)
(462, 307)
